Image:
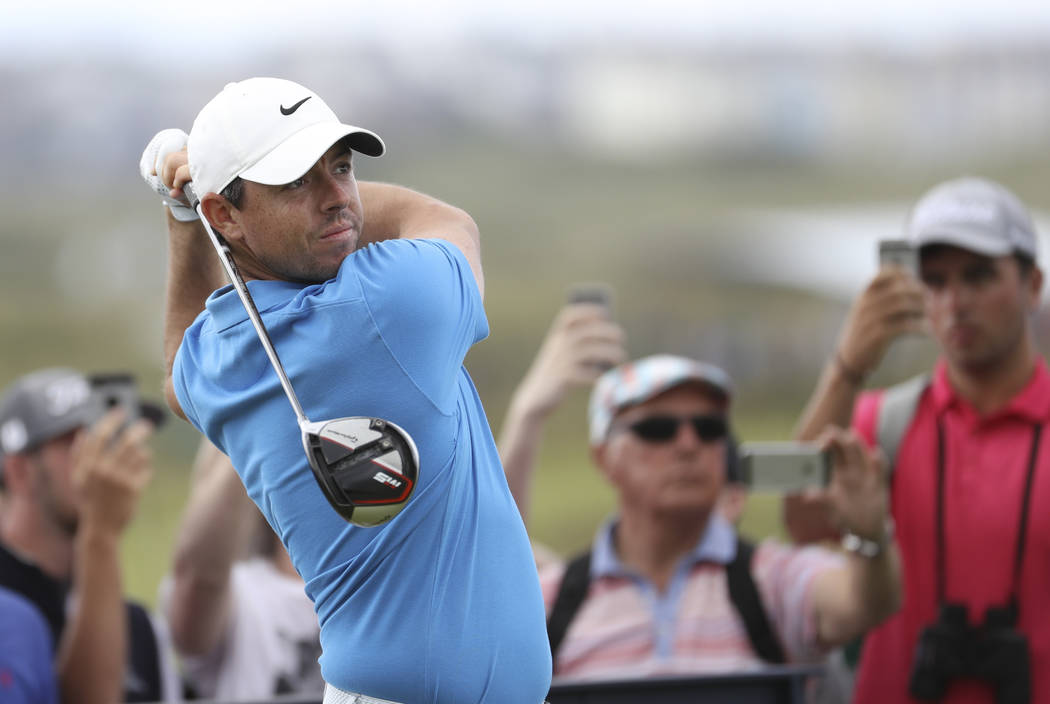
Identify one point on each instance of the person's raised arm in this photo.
(218, 524)
(194, 272)
(890, 306)
(395, 212)
(194, 268)
(850, 600)
(109, 474)
(581, 344)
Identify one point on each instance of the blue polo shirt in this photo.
(441, 604)
(26, 673)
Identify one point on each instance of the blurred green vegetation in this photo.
(82, 284)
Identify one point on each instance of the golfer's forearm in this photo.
(394, 212)
(194, 271)
(398, 212)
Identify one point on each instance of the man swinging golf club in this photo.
(369, 320)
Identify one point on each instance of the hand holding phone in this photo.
(599, 294)
(899, 253)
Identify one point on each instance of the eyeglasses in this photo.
(660, 429)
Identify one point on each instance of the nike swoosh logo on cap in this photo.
(289, 111)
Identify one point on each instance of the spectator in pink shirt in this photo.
(970, 482)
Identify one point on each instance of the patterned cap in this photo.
(634, 382)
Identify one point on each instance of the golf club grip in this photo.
(191, 196)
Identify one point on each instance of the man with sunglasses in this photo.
(970, 484)
(659, 580)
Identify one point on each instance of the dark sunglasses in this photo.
(657, 429)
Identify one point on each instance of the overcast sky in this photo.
(214, 28)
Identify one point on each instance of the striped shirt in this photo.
(626, 628)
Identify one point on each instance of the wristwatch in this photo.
(865, 547)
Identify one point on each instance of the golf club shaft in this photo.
(249, 305)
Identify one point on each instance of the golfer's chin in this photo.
(329, 269)
(316, 271)
(330, 257)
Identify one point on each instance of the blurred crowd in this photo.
(913, 572)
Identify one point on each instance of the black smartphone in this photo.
(117, 390)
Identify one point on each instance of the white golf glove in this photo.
(163, 143)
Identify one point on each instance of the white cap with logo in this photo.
(266, 130)
(640, 380)
(975, 214)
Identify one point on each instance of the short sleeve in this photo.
(178, 380)
(426, 306)
(785, 577)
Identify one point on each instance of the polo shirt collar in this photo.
(226, 308)
(717, 544)
(1032, 403)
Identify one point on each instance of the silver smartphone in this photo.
(899, 253)
(783, 467)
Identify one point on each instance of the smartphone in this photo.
(113, 390)
(783, 467)
(899, 253)
(594, 292)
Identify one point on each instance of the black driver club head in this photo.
(366, 467)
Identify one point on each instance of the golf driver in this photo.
(366, 467)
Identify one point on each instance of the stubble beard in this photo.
(66, 518)
(993, 355)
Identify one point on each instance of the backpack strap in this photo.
(142, 679)
(899, 403)
(571, 593)
(743, 592)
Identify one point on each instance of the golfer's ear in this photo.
(222, 215)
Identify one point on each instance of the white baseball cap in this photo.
(975, 214)
(266, 130)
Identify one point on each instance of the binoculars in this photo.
(995, 652)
